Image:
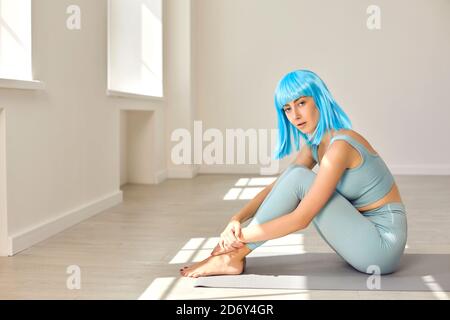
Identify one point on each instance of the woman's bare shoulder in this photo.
(358, 137)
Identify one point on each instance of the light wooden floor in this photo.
(135, 249)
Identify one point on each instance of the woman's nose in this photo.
(296, 113)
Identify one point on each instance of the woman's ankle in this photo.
(240, 253)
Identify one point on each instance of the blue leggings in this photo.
(372, 241)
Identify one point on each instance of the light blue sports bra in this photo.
(368, 182)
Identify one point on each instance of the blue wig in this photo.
(306, 83)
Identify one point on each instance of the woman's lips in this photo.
(301, 124)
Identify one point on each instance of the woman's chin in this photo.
(304, 130)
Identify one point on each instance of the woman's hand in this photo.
(230, 239)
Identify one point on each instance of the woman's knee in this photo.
(302, 172)
(298, 179)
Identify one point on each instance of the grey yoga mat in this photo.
(327, 271)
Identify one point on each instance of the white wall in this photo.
(135, 39)
(139, 145)
(393, 83)
(180, 110)
(62, 143)
(123, 147)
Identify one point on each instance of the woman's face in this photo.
(303, 114)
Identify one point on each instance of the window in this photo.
(15, 39)
(135, 47)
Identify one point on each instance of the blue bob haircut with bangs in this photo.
(306, 83)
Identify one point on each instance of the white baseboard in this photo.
(183, 172)
(27, 238)
(161, 176)
(5, 247)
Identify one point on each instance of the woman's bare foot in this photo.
(227, 263)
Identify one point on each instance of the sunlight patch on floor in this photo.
(158, 288)
(435, 287)
(248, 188)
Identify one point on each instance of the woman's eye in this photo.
(287, 109)
(301, 103)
